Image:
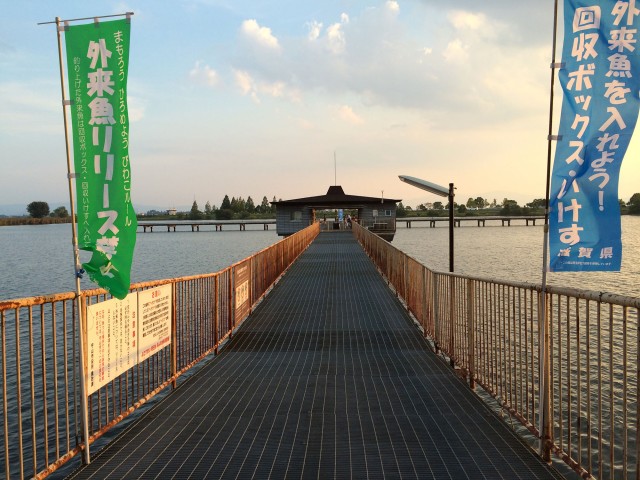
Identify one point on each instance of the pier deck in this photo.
(328, 378)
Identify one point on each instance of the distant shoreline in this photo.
(9, 221)
(14, 221)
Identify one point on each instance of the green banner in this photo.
(97, 63)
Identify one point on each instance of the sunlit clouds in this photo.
(260, 35)
(204, 74)
(346, 114)
(253, 98)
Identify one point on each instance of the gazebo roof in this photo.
(335, 197)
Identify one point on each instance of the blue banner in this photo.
(600, 79)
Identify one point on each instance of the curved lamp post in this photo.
(443, 192)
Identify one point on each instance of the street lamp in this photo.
(443, 192)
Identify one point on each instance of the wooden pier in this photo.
(480, 221)
(195, 225)
(328, 378)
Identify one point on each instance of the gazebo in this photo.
(377, 214)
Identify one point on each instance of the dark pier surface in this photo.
(328, 378)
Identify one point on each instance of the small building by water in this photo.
(377, 214)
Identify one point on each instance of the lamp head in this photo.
(424, 185)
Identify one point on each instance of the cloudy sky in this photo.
(254, 98)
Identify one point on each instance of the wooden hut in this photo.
(377, 214)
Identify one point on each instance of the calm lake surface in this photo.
(38, 259)
(515, 253)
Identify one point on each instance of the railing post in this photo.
(216, 315)
(436, 313)
(471, 325)
(546, 432)
(174, 335)
(452, 319)
(424, 300)
(405, 279)
(230, 299)
(637, 396)
(82, 333)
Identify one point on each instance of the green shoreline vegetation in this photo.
(241, 209)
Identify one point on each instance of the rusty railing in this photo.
(489, 330)
(39, 378)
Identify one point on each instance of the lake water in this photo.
(38, 259)
(515, 253)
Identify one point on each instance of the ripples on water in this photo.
(38, 259)
(515, 253)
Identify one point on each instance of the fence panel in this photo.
(491, 331)
(40, 370)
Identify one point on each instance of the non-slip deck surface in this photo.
(328, 378)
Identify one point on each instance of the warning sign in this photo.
(154, 307)
(111, 340)
(241, 276)
(123, 333)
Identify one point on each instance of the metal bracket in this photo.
(71, 176)
(557, 138)
(558, 65)
(68, 103)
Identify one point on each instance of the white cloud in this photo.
(393, 6)
(136, 108)
(462, 20)
(253, 88)
(204, 74)
(456, 52)
(335, 38)
(315, 29)
(346, 113)
(371, 56)
(245, 83)
(260, 35)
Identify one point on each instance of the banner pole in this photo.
(545, 430)
(76, 254)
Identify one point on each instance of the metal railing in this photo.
(39, 377)
(489, 330)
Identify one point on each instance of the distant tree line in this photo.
(234, 208)
(39, 209)
(239, 208)
(481, 206)
(231, 209)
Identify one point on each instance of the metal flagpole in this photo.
(545, 430)
(76, 256)
(76, 253)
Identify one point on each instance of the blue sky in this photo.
(253, 98)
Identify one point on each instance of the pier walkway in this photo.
(328, 378)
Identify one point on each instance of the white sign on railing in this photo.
(154, 309)
(121, 333)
